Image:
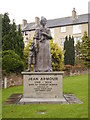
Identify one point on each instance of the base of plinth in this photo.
(42, 100)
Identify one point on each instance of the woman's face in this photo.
(43, 22)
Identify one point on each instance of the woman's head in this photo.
(43, 21)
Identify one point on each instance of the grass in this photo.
(77, 85)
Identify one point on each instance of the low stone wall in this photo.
(76, 71)
(12, 79)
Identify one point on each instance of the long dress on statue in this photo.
(43, 56)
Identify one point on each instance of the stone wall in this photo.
(76, 71)
(12, 79)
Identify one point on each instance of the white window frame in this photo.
(76, 39)
(76, 29)
(63, 29)
(62, 40)
(26, 33)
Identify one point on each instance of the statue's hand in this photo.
(44, 33)
(47, 35)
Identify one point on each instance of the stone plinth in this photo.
(42, 85)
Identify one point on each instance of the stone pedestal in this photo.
(42, 86)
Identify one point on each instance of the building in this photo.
(74, 25)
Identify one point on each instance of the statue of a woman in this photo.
(43, 56)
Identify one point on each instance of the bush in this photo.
(26, 54)
(57, 58)
(11, 62)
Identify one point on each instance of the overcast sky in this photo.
(51, 9)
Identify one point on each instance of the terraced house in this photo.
(74, 25)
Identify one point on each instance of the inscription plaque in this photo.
(42, 84)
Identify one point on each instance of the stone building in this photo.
(74, 25)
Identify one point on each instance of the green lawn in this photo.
(77, 85)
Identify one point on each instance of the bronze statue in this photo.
(31, 60)
(43, 56)
(42, 62)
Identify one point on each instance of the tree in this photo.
(11, 38)
(85, 48)
(5, 24)
(82, 50)
(66, 46)
(78, 50)
(69, 51)
(72, 51)
(78, 56)
(5, 31)
(19, 46)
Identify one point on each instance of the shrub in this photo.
(11, 62)
(26, 54)
(57, 57)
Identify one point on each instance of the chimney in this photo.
(24, 22)
(74, 14)
(37, 21)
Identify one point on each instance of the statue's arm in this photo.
(36, 35)
(47, 34)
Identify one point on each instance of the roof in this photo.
(65, 21)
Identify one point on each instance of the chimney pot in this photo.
(24, 22)
(37, 21)
(73, 14)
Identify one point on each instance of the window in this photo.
(62, 40)
(77, 39)
(63, 29)
(76, 29)
(26, 33)
(52, 32)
